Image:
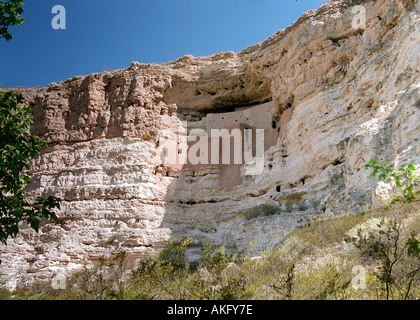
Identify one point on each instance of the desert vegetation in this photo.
(321, 76)
(371, 256)
(375, 255)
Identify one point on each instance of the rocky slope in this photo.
(341, 95)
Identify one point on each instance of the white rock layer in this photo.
(341, 97)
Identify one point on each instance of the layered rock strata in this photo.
(328, 96)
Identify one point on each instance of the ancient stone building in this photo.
(329, 97)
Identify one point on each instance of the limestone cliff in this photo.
(328, 96)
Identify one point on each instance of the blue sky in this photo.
(108, 34)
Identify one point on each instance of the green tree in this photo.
(397, 254)
(404, 179)
(175, 253)
(10, 15)
(215, 258)
(17, 147)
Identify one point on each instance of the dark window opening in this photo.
(274, 124)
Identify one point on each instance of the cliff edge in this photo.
(328, 96)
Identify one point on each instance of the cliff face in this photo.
(328, 96)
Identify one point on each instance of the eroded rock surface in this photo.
(339, 95)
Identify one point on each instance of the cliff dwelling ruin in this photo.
(327, 97)
(235, 131)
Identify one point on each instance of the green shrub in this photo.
(403, 179)
(17, 147)
(329, 232)
(215, 258)
(175, 253)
